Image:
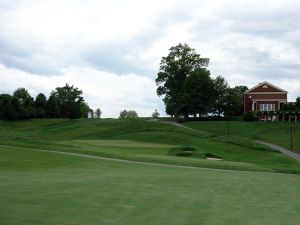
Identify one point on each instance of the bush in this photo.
(250, 116)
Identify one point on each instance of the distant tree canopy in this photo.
(69, 101)
(7, 107)
(98, 113)
(187, 88)
(298, 102)
(128, 114)
(24, 104)
(63, 102)
(155, 114)
(40, 105)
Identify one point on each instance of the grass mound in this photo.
(142, 140)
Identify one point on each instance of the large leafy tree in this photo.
(174, 69)
(234, 102)
(7, 109)
(52, 106)
(221, 88)
(198, 94)
(40, 105)
(23, 103)
(69, 101)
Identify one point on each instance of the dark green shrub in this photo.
(250, 116)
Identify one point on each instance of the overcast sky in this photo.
(111, 49)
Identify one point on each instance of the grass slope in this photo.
(277, 133)
(46, 188)
(141, 140)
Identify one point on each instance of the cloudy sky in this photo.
(111, 49)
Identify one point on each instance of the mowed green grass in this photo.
(39, 187)
(277, 133)
(141, 140)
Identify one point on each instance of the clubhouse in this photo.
(266, 99)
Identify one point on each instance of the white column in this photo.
(252, 106)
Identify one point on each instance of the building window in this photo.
(267, 107)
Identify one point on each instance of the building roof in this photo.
(265, 83)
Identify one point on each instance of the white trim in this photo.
(270, 100)
(265, 83)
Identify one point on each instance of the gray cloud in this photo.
(248, 40)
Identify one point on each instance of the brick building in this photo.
(264, 97)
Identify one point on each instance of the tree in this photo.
(7, 109)
(198, 90)
(124, 114)
(221, 95)
(69, 101)
(24, 104)
(52, 106)
(298, 102)
(155, 114)
(98, 113)
(40, 105)
(234, 102)
(174, 69)
(85, 109)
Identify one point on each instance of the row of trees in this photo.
(187, 87)
(63, 102)
(130, 114)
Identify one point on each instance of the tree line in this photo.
(187, 88)
(63, 102)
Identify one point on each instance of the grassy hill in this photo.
(51, 172)
(142, 140)
(277, 133)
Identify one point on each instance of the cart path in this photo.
(282, 150)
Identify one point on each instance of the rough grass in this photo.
(47, 188)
